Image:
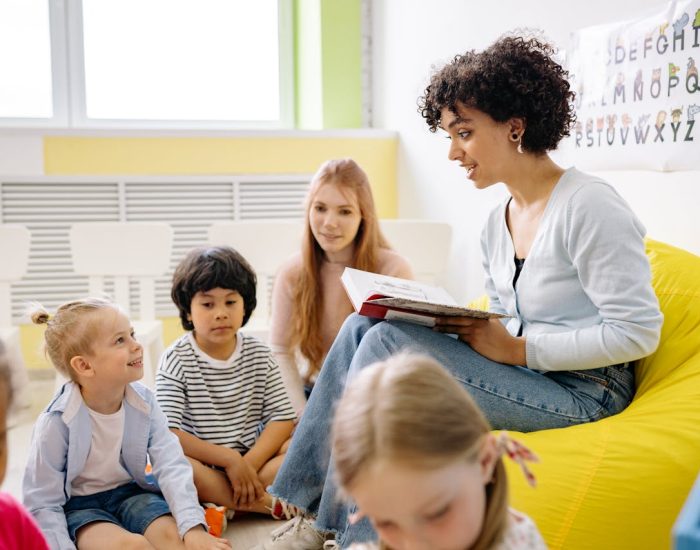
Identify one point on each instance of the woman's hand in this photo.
(245, 483)
(198, 539)
(488, 337)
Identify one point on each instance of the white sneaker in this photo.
(296, 534)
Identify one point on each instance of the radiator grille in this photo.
(48, 206)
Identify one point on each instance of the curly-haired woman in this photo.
(563, 256)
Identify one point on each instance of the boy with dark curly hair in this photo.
(563, 257)
(221, 389)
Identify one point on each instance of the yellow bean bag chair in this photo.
(621, 482)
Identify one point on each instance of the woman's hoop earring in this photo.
(518, 138)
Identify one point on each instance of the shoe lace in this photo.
(290, 528)
(288, 511)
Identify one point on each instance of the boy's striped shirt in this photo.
(226, 406)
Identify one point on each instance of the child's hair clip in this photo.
(519, 453)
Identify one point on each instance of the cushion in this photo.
(621, 482)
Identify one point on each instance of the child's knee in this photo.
(162, 532)
(193, 462)
(134, 541)
(284, 447)
(197, 467)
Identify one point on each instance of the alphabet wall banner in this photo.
(638, 92)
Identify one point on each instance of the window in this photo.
(25, 60)
(147, 63)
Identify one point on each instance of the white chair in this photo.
(425, 244)
(124, 250)
(14, 251)
(265, 244)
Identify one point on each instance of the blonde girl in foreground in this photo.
(85, 481)
(416, 455)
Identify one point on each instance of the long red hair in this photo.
(308, 303)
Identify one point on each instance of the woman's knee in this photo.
(356, 326)
(345, 346)
(385, 338)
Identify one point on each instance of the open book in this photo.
(385, 297)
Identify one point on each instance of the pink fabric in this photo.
(18, 530)
(336, 305)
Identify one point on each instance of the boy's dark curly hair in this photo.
(216, 267)
(515, 77)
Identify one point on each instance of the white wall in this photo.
(412, 36)
(21, 154)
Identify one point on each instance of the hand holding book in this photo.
(487, 337)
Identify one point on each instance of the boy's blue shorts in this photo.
(128, 506)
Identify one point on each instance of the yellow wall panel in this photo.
(224, 155)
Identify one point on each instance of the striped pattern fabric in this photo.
(228, 406)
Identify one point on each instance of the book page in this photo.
(415, 318)
(399, 289)
(362, 285)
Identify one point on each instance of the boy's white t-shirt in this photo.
(103, 468)
(217, 363)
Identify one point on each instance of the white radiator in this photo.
(48, 205)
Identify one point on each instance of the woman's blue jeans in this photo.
(512, 398)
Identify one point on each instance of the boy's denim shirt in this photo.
(60, 445)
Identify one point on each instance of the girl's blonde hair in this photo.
(308, 303)
(409, 409)
(68, 332)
